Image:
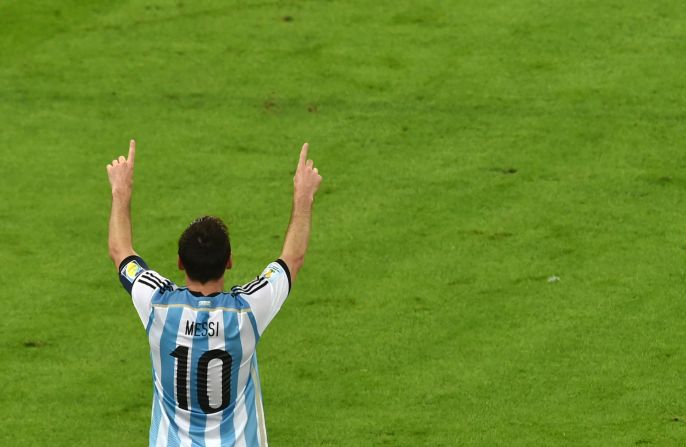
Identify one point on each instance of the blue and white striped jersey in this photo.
(206, 387)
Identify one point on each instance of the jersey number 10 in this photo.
(181, 353)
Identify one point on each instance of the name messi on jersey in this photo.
(204, 329)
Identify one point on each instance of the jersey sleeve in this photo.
(267, 293)
(141, 283)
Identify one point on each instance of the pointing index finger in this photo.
(132, 151)
(303, 154)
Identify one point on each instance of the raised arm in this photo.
(120, 173)
(305, 184)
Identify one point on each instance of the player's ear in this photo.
(180, 264)
(229, 263)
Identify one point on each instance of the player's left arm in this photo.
(120, 173)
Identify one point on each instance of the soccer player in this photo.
(206, 388)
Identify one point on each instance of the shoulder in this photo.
(275, 273)
(251, 287)
(153, 280)
(138, 278)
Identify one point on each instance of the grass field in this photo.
(470, 150)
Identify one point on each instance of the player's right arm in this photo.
(268, 291)
(305, 185)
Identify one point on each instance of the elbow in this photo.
(118, 254)
(298, 263)
(294, 263)
(111, 250)
(114, 253)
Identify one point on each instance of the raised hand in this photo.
(120, 172)
(307, 179)
(306, 183)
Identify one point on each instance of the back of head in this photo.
(204, 249)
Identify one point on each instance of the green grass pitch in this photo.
(470, 151)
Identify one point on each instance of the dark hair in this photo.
(204, 249)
